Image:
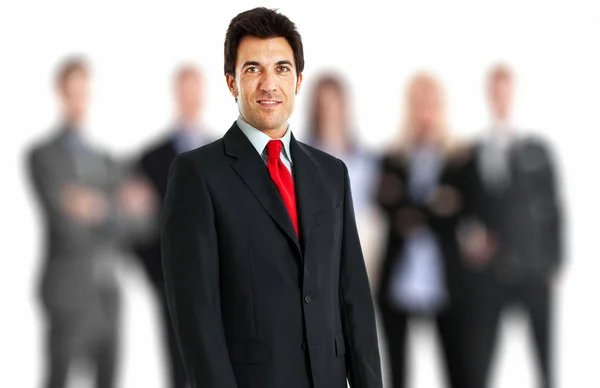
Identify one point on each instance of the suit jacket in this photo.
(154, 165)
(440, 214)
(79, 257)
(525, 216)
(253, 305)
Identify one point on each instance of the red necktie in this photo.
(283, 179)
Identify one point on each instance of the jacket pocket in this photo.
(328, 216)
(249, 352)
(340, 345)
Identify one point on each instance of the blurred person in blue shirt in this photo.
(418, 278)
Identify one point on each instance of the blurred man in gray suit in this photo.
(89, 209)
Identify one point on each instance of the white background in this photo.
(134, 47)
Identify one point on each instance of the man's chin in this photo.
(270, 125)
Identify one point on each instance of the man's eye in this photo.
(283, 68)
(252, 69)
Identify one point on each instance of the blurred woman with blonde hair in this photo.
(418, 278)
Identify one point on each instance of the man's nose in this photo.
(268, 82)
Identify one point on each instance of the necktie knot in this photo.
(274, 149)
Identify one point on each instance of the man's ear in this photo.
(298, 83)
(231, 85)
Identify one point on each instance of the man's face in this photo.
(265, 83)
(501, 94)
(189, 96)
(75, 95)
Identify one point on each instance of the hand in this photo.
(445, 201)
(479, 247)
(136, 198)
(84, 203)
(408, 220)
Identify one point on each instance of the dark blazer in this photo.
(154, 165)
(402, 214)
(253, 305)
(525, 217)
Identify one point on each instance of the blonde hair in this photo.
(423, 82)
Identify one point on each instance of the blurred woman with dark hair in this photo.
(331, 129)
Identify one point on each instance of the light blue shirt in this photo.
(424, 173)
(418, 282)
(73, 138)
(362, 169)
(186, 138)
(259, 140)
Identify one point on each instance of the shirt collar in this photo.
(73, 136)
(502, 130)
(187, 136)
(259, 139)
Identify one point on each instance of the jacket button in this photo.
(304, 346)
(308, 298)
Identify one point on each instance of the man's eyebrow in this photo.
(250, 63)
(278, 63)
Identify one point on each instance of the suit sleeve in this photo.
(556, 221)
(47, 183)
(128, 228)
(402, 213)
(191, 269)
(473, 212)
(358, 312)
(388, 192)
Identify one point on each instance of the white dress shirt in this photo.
(494, 157)
(259, 140)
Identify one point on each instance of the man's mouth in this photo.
(268, 103)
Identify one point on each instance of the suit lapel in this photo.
(254, 173)
(309, 192)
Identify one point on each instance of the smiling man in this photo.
(264, 272)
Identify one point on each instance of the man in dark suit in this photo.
(511, 236)
(185, 135)
(263, 292)
(90, 212)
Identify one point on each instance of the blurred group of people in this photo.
(97, 212)
(468, 228)
(473, 227)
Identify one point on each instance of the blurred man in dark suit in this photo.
(91, 210)
(186, 133)
(511, 235)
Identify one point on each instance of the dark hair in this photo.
(327, 80)
(262, 23)
(68, 67)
